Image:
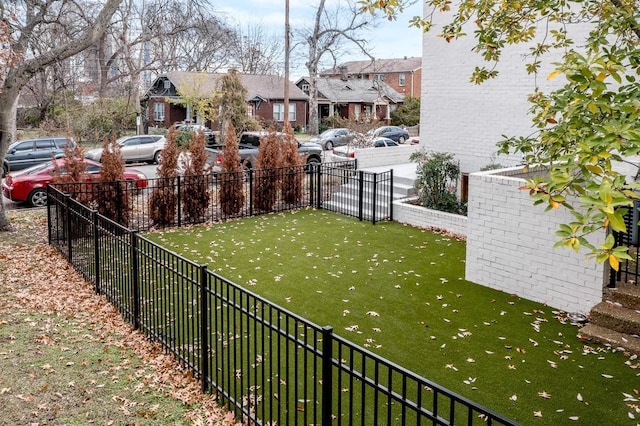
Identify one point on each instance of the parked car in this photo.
(395, 133)
(29, 152)
(249, 147)
(30, 185)
(135, 149)
(345, 153)
(210, 137)
(334, 137)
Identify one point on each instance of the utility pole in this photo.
(286, 62)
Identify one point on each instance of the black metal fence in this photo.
(264, 363)
(333, 186)
(629, 269)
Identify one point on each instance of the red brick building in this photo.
(404, 75)
(265, 98)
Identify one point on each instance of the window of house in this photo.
(402, 79)
(158, 111)
(278, 112)
(305, 87)
(379, 77)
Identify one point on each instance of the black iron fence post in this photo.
(179, 202)
(96, 250)
(135, 290)
(67, 232)
(360, 193)
(250, 192)
(391, 195)
(327, 374)
(374, 199)
(49, 206)
(204, 327)
(319, 187)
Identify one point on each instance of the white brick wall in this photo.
(376, 157)
(468, 120)
(426, 218)
(510, 247)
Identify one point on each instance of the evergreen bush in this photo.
(164, 200)
(437, 181)
(230, 183)
(195, 198)
(266, 187)
(291, 177)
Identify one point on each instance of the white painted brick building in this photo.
(466, 119)
(509, 240)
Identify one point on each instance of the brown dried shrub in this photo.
(266, 187)
(230, 181)
(292, 171)
(114, 199)
(164, 200)
(195, 198)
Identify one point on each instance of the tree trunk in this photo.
(8, 108)
(20, 74)
(313, 102)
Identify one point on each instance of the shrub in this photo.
(164, 200)
(74, 173)
(437, 181)
(266, 188)
(114, 200)
(230, 182)
(196, 196)
(291, 177)
(408, 113)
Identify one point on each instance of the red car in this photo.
(30, 185)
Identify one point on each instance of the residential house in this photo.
(265, 98)
(404, 75)
(353, 99)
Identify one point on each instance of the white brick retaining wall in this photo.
(510, 246)
(376, 157)
(427, 218)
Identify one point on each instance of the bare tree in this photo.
(334, 31)
(27, 19)
(255, 51)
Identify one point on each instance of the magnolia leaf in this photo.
(616, 221)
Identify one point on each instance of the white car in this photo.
(345, 153)
(135, 149)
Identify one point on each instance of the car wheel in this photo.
(312, 163)
(5, 170)
(156, 157)
(328, 145)
(401, 139)
(38, 198)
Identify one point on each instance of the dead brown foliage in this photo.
(114, 201)
(195, 198)
(37, 282)
(291, 180)
(163, 201)
(266, 187)
(231, 180)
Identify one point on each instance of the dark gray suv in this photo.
(29, 152)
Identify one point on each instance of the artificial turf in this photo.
(400, 292)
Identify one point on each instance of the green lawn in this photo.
(400, 292)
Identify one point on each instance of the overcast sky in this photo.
(390, 39)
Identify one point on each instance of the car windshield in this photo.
(120, 141)
(37, 168)
(327, 132)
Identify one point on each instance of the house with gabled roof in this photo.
(353, 99)
(265, 98)
(404, 75)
